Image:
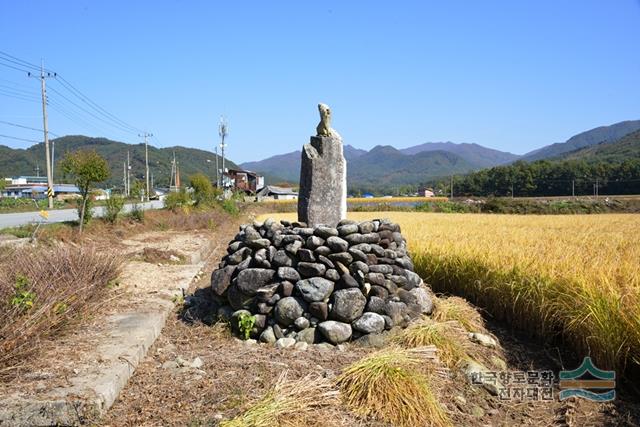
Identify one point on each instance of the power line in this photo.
(20, 139)
(15, 68)
(90, 113)
(16, 96)
(22, 61)
(26, 127)
(94, 105)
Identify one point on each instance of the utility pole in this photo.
(451, 182)
(128, 175)
(573, 188)
(223, 131)
(512, 196)
(124, 178)
(146, 135)
(596, 188)
(37, 169)
(43, 77)
(217, 170)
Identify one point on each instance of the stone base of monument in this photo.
(321, 284)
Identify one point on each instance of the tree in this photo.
(87, 168)
(203, 192)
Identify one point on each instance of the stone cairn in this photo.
(321, 284)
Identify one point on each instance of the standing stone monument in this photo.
(323, 176)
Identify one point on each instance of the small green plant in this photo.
(113, 207)
(230, 206)
(23, 299)
(245, 325)
(177, 199)
(136, 213)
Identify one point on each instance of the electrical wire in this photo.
(20, 139)
(27, 127)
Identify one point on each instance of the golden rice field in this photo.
(577, 276)
(376, 200)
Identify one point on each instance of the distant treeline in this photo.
(548, 178)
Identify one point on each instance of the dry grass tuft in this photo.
(288, 403)
(42, 291)
(389, 386)
(455, 308)
(447, 337)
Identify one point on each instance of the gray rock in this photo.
(315, 289)
(388, 253)
(342, 257)
(277, 331)
(372, 340)
(413, 280)
(381, 268)
(322, 250)
(249, 234)
(293, 247)
(345, 230)
(396, 310)
(259, 243)
(358, 266)
(398, 280)
(306, 255)
(377, 250)
(423, 299)
(239, 300)
(238, 256)
(285, 343)
(260, 322)
(366, 227)
(335, 332)
(336, 244)
(311, 269)
(348, 304)
(301, 346)
(369, 323)
(314, 242)
(404, 262)
(301, 323)
(234, 246)
(265, 293)
(375, 305)
(286, 288)
(268, 336)
(332, 274)
(264, 308)
(348, 281)
(375, 278)
(483, 340)
(288, 310)
(303, 231)
(325, 232)
(388, 322)
(251, 279)
(319, 310)
(307, 335)
(282, 259)
(288, 273)
(221, 279)
(244, 264)
(378, 291)
(323, 182)
(358, 255)
(364, 247)
(326, 261)
(346, 221)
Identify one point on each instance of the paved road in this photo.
(60, 215)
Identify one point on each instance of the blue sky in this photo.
(509, 75)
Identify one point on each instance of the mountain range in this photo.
(380, 167)
(190, 160)
(386, 165)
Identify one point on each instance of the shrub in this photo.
(113, 207)
(230, 206)
(443, 335)
(42, 290)
(203, 193)
(177, 200)
(137, 212)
